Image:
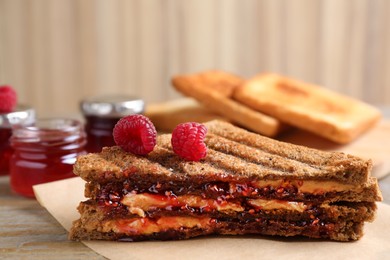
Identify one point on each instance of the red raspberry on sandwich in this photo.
(188, 141)
(135, 134)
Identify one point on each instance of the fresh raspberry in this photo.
(135, 134)
(188, 141)
(8, 99)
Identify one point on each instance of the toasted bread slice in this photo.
(87, 229)
(307, 106)
(219, 81)
(167, 115)
(238, 156)
(208, 89)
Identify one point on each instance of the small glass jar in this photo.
(22, 115)
(101, 115)
(44, 152)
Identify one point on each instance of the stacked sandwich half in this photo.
(247, 184)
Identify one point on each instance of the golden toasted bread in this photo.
(167, 115)
(307, 106)
(222, 82)
(208, 88)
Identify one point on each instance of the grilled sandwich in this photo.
(247, 184)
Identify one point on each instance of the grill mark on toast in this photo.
(266, 144)
(259, 157)
(216, 163)
(228, 158)
(343, 167)
(240, 166)
(225, 160)
(204, 167)
(131, 164)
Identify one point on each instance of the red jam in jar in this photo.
(44, 152)
(101, 115)
(22, 115)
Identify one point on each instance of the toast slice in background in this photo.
(214, 88)
(167, 115)
(307, 106)
(222, 82)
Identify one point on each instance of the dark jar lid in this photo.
(22, 115)
(112, 106)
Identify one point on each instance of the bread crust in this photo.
(307, 106)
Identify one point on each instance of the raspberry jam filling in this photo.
(143, 204)
(112, 193)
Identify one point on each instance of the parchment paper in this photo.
(61, 198)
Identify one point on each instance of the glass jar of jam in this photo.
(44, 152)
(101, 115)
(22, 115)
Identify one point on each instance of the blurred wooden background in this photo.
(56, 52)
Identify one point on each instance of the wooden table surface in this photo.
(28, 231)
